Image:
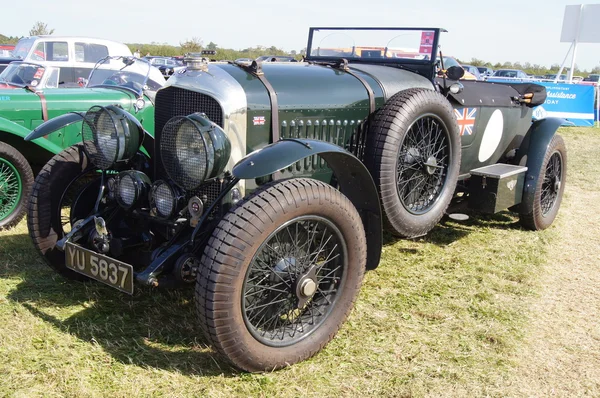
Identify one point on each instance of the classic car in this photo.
(130, 84)
(268, 186)
(74, 55)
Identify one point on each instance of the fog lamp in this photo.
(132, 186)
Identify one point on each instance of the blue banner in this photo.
(574, 102)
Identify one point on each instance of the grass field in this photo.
(479, 308)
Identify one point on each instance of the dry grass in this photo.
(480, 308)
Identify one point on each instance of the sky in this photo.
(494, 31)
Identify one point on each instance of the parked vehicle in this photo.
(450, 62)
(485, 72)
(473, 70)
(74, 56)
(120, 81)
(166, 65)
(268, 185)
(592, 78)
(515, 75)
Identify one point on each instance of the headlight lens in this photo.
(163, 199)
(193, 149)
(110, 135)
(132, 186)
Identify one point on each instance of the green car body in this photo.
(268, 185)
(22, 109)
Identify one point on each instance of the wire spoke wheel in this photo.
(540, 207)
(423, 162)
(280, 274)
(293, 280)
(413, 153)
(11, 188)
(552, 183)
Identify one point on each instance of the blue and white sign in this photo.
(574, 102)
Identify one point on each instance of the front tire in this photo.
(413, 154)
(49, 214)
(550, 187)
(280, 274)
(16, 180)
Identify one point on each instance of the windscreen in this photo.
(373, 44)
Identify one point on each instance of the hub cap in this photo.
(294, 280)
(11, 188)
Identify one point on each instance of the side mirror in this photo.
(455, 72)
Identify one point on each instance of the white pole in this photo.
(562, 66)
(575, 43)
(570, 77)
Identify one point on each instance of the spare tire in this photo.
(413, 154)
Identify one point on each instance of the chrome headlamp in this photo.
(131, 187)
(110, 135)
(165, 201)
(193, 149)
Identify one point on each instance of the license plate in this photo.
(99, 267)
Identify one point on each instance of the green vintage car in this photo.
(27, 101)
(269, 184)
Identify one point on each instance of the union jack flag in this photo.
(258, 120)
(466, 119)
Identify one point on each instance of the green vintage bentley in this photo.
(31, 94)
(267, 186)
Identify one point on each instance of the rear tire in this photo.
(265, 297)
(413, 154)
(49, 208)
(550, 187)
(16, 180)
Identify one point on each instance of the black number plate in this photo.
(99, 267)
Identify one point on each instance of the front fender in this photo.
(17, 130)
(55, 124)
(353, 178)
(531, 154)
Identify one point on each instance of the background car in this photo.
(484, 71)
(515, 75)
(117, 81)
(554, 76)
(592, 78)
(473, 70)
(166, 65)
(267, 189)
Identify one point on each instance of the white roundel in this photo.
(491, 136)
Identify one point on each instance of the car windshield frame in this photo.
(384, 59)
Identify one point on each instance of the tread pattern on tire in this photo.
(226, 251)
(385, 137)
(26, 174)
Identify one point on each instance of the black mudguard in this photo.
(353, 178)
(531, 154)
